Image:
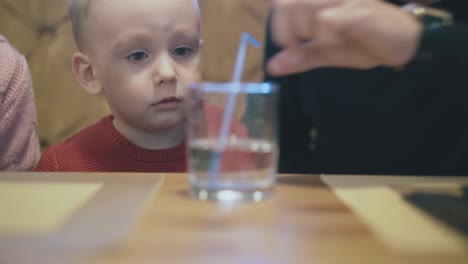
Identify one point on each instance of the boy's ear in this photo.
(85, 73)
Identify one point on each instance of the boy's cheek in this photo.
(191, 72)
(198, 75)
(198, 65)
(194, 77)
(195, 73)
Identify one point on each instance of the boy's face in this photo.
(145, 53)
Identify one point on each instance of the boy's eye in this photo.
(137, 56)
(181, 52)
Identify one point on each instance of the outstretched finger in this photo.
(282, 24)
(312, 56)
(293, 21)
(294, 60)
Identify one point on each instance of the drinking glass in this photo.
(232, 140)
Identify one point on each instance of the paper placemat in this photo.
(401, 226)
(40, 207)
(71, 211)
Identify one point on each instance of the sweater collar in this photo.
(119, 143)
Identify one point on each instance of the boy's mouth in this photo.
(171, 99)
(168, 102)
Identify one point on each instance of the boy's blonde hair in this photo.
(79, 11)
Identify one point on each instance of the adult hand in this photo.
(341, 33)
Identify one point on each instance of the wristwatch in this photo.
(429, 16)
(434, 21)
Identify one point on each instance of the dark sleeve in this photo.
(442, 59)
(444, 43)
(445, 47)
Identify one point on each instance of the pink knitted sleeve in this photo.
(19, 143)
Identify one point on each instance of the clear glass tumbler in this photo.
(232, 143)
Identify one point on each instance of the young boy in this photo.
(141, 55)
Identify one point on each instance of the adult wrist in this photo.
(430, 17)
(435, 23)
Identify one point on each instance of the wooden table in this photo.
(306, 221)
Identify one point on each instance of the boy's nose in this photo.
(165, 72)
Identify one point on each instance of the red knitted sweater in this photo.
(101, 148)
